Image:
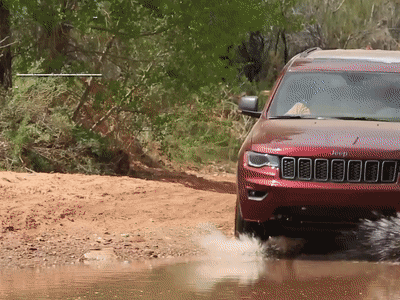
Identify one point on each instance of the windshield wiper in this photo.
(365, 119)
(292, 117)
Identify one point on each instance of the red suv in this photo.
(325, 151)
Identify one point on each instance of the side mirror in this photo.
(249, 106)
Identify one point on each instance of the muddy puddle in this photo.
(231, 270)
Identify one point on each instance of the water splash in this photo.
(244, 260)
(218, 246)
(225, 259)
(381, 239)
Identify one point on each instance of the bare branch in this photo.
(372, 12)
(105, 117)
(340, 5)
(97, 69)
(4, 39)
(116, 108)
(59, 75)
(104, 54)
(128, 109)
(8, 45)
(347, 41)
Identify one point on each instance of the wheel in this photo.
(253, 229)
(239, 222)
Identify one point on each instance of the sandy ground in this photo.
(59, 219)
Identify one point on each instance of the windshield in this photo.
(364, 96)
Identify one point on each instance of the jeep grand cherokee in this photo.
(325, 151)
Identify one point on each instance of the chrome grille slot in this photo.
(321, 169)
(337, 170)
(371, 171)
(389, 171)
(354, 171)
(304, 168)
(288, 167)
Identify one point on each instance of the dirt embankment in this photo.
(54, 219)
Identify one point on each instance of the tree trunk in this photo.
(286, 50)
(5, 51)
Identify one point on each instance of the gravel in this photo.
(55, 248)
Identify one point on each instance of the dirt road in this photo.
(55, 219)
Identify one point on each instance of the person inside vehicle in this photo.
(298, 109)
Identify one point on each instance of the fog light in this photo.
(256, 195)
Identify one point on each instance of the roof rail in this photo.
(308, 51)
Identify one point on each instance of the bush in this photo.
(207, 130)
(35, 123)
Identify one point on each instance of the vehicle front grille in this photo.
(339, 170)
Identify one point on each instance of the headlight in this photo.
(259, 160)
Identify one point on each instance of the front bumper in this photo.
(311, 201)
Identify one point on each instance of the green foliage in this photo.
(204, 31)
(24, 116)
(203, 132)
(90, 141)
(35, 123)
(161, 64)
(162, 69)
(183, 41)
(20, 138)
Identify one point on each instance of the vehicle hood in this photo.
(348, 138)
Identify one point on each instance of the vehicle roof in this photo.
(358, 60)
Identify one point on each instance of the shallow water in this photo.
(231, 270)
(209, 279)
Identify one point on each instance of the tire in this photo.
(252, 229)
(239, 222)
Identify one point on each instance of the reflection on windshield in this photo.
(368, 96)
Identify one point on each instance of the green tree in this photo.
(159, 58)
(146, 48)
(193, 34)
